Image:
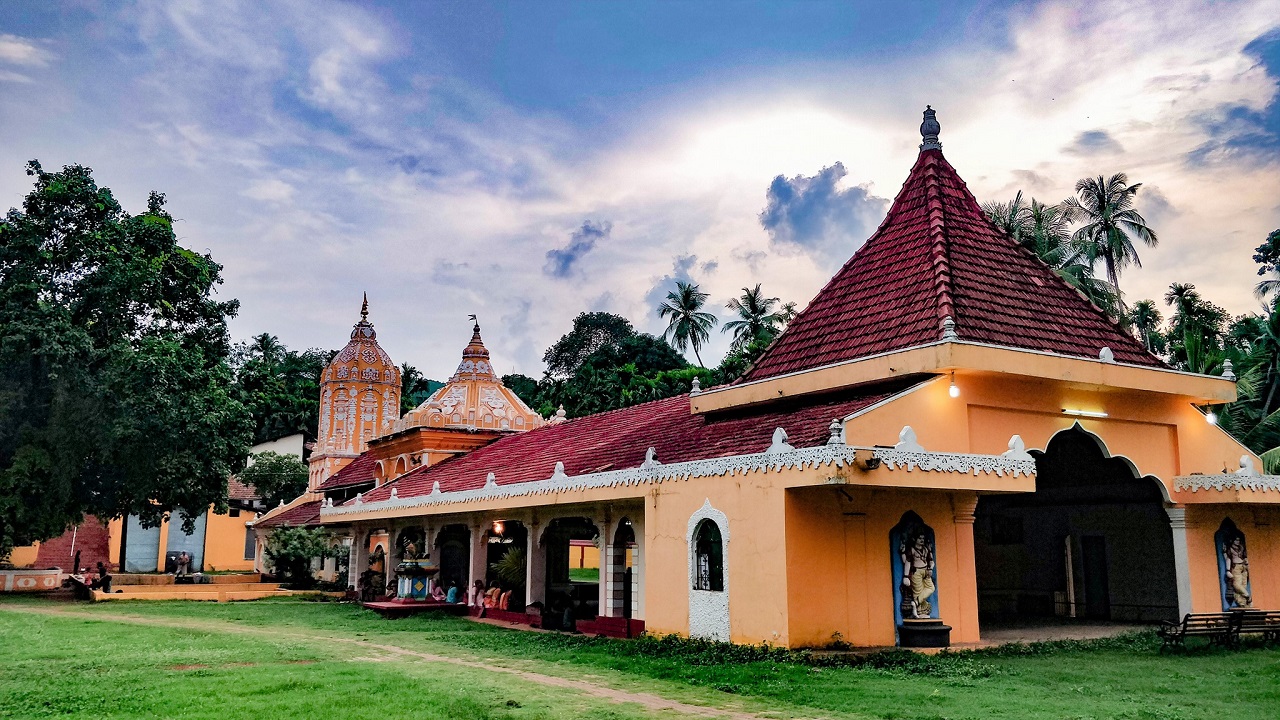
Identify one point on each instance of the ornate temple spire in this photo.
(364, 328)
(929, 130)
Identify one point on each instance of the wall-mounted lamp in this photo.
(1084, 413)
(498, 527)
(954, 390)
(1211, 417)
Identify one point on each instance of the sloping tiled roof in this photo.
(936, 255)
(356, 472)
(620, 438)
(307, 513)
(237, 490)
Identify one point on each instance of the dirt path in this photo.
(649, 701)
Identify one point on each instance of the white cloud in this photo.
(16, 50)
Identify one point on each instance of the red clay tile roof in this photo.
(356, 472)
(307, 513)
(936, 255)
(618, 439)
(237, 490)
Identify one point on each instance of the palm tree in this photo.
(1145, 319)
(1010, 218)
(687, 325)
(757, 320)
(1111, 224)
(787, 313)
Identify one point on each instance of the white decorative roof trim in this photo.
(810, 457)
(779, 444)
(907, 441)
(965, 463)
(1222, 483)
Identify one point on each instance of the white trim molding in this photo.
(811, 457)
(1230, 481)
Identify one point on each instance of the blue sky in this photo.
(528, 161)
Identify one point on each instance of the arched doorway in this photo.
(1093, 541)
(572, 578)
(507, 562)
(454, 543)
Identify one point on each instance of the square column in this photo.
(1181, 558)
(535, 565)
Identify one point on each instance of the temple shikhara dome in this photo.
(359, 400)
(474, 398)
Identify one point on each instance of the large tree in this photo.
(688, 326)
(1109, 225)
(591, 331)
(115, 388)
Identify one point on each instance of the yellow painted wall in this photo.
(224, 542)
(755, 564)
(839, 563)
(24, 556)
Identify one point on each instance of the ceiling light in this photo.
(1084, 413)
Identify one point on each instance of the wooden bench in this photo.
(1259, 622)
(1220, 628)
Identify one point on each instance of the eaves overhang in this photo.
(948, 356)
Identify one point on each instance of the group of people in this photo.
(489, 597)
(439, 594)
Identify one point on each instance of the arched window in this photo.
(708, 554)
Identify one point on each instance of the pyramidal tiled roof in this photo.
(936, 256)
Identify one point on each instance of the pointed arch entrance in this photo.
(1093, 541)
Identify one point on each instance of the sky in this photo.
(529, 161)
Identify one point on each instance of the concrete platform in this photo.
(404, 608)
(226, 592)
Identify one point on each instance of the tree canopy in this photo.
(276, 477)
(115, 386)
(279, 386)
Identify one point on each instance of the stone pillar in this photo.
(535, 565)
(963, 507)
(1181, 558)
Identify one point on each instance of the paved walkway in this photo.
(1043, 631)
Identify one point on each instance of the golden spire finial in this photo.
(364, 309)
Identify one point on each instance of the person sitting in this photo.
(492, 595)
(504, 600)
(183, 564)
(452, 596)
(437, 594)
(477, 594)
(103, 582)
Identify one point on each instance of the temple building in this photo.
(948, 435)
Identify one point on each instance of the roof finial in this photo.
(364, 309)
(929, 130)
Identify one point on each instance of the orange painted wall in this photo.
(1261, 528)
(839, 563)
(1163, 435)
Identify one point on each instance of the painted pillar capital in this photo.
(963, 508)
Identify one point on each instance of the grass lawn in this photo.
(584, 574)
(72, 665)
